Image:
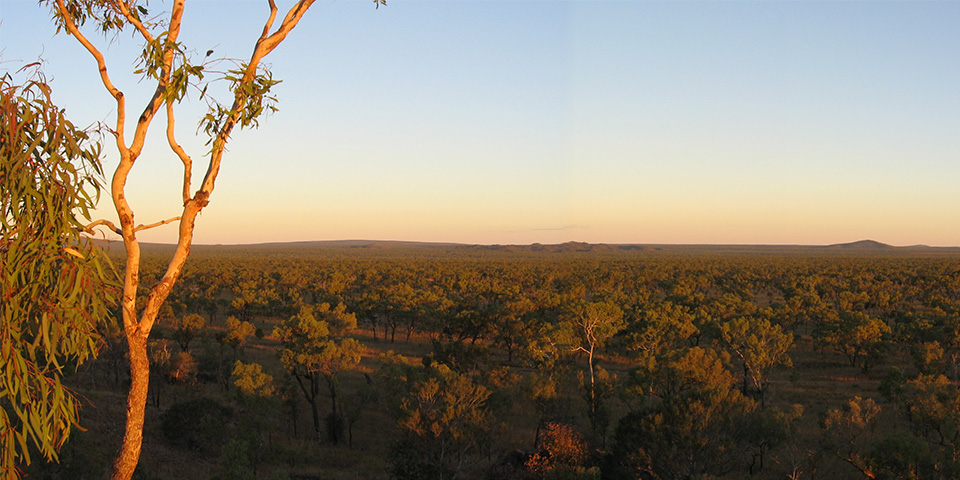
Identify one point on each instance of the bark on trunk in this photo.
(129, 455)
(318, 431)
(334, 433)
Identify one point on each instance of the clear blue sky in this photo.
(550, 121)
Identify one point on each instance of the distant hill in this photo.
(861, 245)
(874, 247)
(388, 248)
(350, 244)
(568, 247)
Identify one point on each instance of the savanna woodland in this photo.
(417, 361)
(375, 360)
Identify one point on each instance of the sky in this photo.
(514, 122)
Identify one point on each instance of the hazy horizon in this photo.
(854, 243)
(520, 122)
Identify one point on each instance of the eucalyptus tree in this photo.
(660, 328)
(250, 379)
(693, 434)
(677, 371)
(315, 350)
(846, 434)
(513, 322)
(592, 324)
(166, 64)
(186, 328)
(760, 346)
(401, 304)
(236, 334)
(862, 338)
(56, 288)
(445, 418)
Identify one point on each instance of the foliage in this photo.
(593, 323)
(846, 431)
(659, 328)
(160, 363)
(310, 339)
(906, 456)
(443, 419)
(760, 346)
(460, 356)
(199, 424)
(690, 435)
(77, 460)
(314, 348)
(932, 403)
(706, 291)
(563, 454)
(251, 380)
(182, 368)
(237, 333)
(56, 286)
(234, 460)
(188, 327)
(766, 429)
(513, 322)
(860, 337)
(681, 370)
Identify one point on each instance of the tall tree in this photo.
(760, 346)
(862, 338)
(165, 63)
(593, 324)
(55, 287)
(186, 328)
(314, 350)
(444, 417)
(693, 434)
(843, 433)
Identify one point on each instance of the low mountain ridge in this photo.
(391, 247)
(862, 245)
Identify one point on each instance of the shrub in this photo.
(199, 424)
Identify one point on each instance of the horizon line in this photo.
(865, 243)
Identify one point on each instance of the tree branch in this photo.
(263, 47)
(125, 10)
(289, 21)
(101, 66)
(269, 24)
(106, 223)
(853, 459)
(176, 15)
(187, 161)
(157, 224)
(131, 273)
